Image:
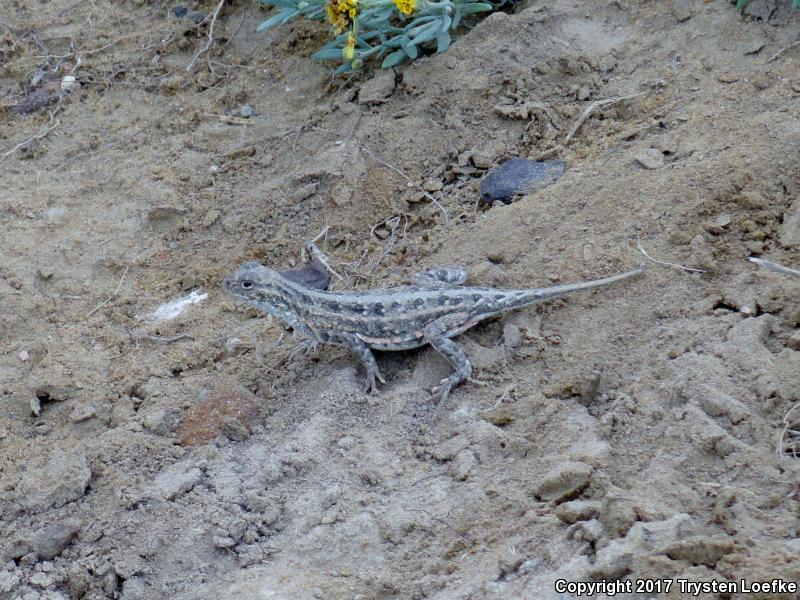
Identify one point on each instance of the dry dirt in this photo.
(634, 432)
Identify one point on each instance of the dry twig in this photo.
(773, 266)
(782, 50)
(781, 450)
(407, 178)
(210, 40)
(593, 107)
(52, 124)
(663, 262)
(316, 254)
(111, 297)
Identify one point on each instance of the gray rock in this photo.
(577, 510)
(8, 581)
(133, 589)
(378, 89)
(246, 111)
(519, 176)
(83, 412)
(41, 580)
(177, 480)
(564, 482)
(160, 421)
(790, 230)
(46, 543)
(649, 158)
(642, 540)
(512, 336)
(463, 464)
(62, 479)
(305, 191)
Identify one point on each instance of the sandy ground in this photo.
(632, 433)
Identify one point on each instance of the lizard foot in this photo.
(442, 391)
(372, 386)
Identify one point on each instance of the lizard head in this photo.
(261, 287)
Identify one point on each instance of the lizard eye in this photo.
(247, 284)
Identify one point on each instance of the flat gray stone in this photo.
(378, 89)
(649, 158)
(564, 482)
(518, 176)
(63, 479)
(177, 480)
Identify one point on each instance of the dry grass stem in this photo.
(408, 179)
(112, 296)
(210, 40)
(313, 250)
(782, 50)
(51, 125)
(773, 266)
(663, 262)
(593, 107)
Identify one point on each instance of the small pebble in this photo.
(23, 356)
(213, 169)
(69, 83)
(180, 11)
(649, 158)
(45, 273)
(247, 111)
(82, 413)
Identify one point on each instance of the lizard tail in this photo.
(528, 297)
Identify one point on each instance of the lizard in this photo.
(436, 308)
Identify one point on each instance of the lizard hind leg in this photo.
(440, 276)
(435, 335)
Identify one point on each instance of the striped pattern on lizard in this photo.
(434, 310)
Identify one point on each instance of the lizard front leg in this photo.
(364, 353)
(436, 335)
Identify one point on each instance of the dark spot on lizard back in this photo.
(331, 305)
(378, 310)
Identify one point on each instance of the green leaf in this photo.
(328, 54)
(442, 42)
(408, 47)
(795, 4)
(427, 33)
(343, 68)
(395, 58)
(281, 17)
(740, 4)
(476, 7)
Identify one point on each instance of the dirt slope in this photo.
(627, 433)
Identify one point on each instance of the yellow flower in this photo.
(341, 13)
(406, 6)
(349, 48)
